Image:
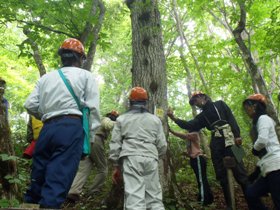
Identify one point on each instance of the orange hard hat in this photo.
(257, 97)
(138, 94)
(73, 45)
(114, 113)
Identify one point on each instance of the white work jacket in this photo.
(137, 134)
(51, 98)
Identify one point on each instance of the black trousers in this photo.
(199, 167)
(262, 186)
(218, 152)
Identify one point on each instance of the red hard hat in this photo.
(138, 94)
(73, 45)
(257, 97)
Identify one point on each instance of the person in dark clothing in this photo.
(218, 118)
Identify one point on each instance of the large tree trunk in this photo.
(7, 165)
(149, 71)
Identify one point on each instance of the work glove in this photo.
(117, 175)
(254, 175)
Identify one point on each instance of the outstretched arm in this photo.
(178, 134)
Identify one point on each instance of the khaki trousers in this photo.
(141, 184)
(98, 159)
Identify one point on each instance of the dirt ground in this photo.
(96, 202)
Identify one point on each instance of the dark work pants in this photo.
(218, 152)
(55, 161)
(263, 185)
(199, 167)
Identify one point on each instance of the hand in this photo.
(170, 113)
(238, 141)
(117, 175)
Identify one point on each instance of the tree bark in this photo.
(7, 167)
(95, 30)
(149, 71)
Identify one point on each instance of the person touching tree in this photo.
(198, 164)
(217, 117)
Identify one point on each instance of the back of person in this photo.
(137, 143)
(140, 133)
(58, 100)
(61, 101)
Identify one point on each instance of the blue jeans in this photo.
(55, 161)
(262, 186)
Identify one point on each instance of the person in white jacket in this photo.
(266, 178)
(60, 144)
(137, 143)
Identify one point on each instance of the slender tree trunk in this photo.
(183, 39)
(36, 53)
(95, 30)
(149, 71)
(254, 69)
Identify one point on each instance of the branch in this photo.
(45, 28)
(88, 25)
(96, 29)
(242, 22)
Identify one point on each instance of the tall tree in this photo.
(149, 70)
(254, 69)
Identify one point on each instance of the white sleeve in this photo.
(161, 141)
(263, 127)
(92, 102)
(32, 102)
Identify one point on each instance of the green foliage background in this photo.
(214, 47)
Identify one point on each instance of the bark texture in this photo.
(149, 71)
(7, 167)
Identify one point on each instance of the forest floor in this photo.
(96, 202)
